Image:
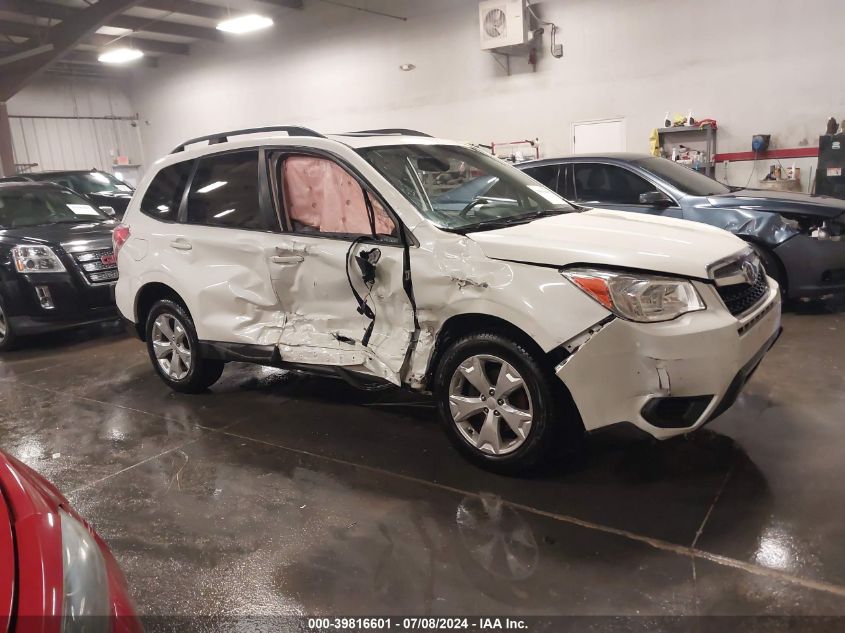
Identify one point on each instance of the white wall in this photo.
(78, 96)
(63, 123)
(755, 65)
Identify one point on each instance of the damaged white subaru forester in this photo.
(374, 255)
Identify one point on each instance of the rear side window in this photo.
(164, 195)
(597, 182)
(224, 192)
(546, 174)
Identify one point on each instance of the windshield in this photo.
(682, 178)
(92, 182)
(459, 188)
(20, 207)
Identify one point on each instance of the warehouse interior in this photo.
(289, 495)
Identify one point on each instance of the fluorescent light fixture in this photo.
(213, 186)
(245, 24)
(224, 213)
(120, 55)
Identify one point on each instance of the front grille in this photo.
(98, 266)
(740, 298)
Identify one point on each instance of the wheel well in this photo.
(147, 297)
(463, 324)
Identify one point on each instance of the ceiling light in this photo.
(211, 187)
(407, 67)
(120, 55)
(245, 24)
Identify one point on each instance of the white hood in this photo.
(615, 238)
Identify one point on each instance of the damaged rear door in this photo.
(339, 269)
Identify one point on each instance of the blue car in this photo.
(799, 237)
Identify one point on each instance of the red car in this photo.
(56, 573)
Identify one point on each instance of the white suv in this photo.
(373, 255)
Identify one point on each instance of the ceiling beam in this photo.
(91, 58)
(37, 8)
(148, 46)
(188, 7)
(287, 4)
(19, 29)
(61, 39)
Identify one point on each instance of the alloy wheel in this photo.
(490, 404)
(172, 347)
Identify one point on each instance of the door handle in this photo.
(181, 245)
(287, 259)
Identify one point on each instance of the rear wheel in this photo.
(500, 405)
(175, 352)
(7, 336)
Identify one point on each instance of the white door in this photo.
(335, 314)
(598, 137)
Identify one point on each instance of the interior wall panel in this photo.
(49, 143)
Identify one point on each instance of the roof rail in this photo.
(223, 137)
(387, 132)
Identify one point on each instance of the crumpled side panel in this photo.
(454, 278)
(324, 325)
(233, 293)
(766, 227)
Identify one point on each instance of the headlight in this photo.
(36, 259)
(638, 297)
(86, 583)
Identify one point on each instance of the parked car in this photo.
(101, 188)
(56, 573)
(529, 319)
(57, 266)
(798, 237)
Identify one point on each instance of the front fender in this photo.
(764, 227)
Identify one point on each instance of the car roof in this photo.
(624, 157)
(59, 172)
(31, 185)
(355, 140)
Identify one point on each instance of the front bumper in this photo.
(814, 268)
(704, 357)
(74, 302)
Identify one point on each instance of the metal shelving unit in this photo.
(690, 136)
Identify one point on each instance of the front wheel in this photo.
(501, 407)
(174, 349)
(7, 336)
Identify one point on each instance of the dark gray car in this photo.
(800, 238)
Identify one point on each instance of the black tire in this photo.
(202, 372)
(8, 339)
(555, 428)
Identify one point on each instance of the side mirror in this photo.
(108, 211)
(655, 199)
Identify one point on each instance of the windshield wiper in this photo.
(502, 223)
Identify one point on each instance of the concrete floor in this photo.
(278, 494)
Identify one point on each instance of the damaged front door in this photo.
(338, 270)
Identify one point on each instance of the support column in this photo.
(7, 154)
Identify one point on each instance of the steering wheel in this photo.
(476, 202)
